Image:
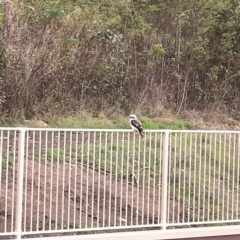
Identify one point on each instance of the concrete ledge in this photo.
(156, 234)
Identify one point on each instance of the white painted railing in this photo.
(55, 181)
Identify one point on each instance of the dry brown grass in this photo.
(210, 120)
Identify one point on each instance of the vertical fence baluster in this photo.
(75, 179)
(184, 178)
(199, 177)
(159, 178)
(110, 180)
(45, 180)
(87, 182)
(219, 176)
(148, 178)
(99, 179)
(233, 176)
(116, 181)
(128, 154)
(26, 183)
(214, 175)
(39, 179)
(93, 178)
(223, 180)
(164, 194)
(238, 165)
(20, 170)
(14, 178)
(57, 212)
(190, 178)
(133, 163)
(105, 178)
(169, 180)
(121, 177)
(204, 179)
(174, 175)
(179, 176)
(7, 180)
(144, 179)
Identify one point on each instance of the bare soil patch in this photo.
(73, 195)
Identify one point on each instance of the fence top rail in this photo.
(76, 129)
(114, 130)
(204, 131)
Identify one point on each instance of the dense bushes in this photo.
(61, 56)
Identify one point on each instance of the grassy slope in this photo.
(115, 121)
(204, 175)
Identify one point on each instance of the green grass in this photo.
(176, 125)
(1, 14)
(57, 154)
(117, 121)
(121, 157)
(81, 122)
(204, 175)
(86, 120)
(8, 161)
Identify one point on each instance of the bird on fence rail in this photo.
(135, 124)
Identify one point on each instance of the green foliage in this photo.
(158, 50)
(1, 14)
(131, 54)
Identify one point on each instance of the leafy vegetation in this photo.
(58, 58)
(61, 59)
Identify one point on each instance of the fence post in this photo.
(20, 171)
(164, 192)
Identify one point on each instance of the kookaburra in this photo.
(135, 124)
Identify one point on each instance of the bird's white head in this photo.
(132, 116)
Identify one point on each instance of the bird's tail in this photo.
(141, 133)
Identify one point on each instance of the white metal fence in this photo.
(55, 181)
